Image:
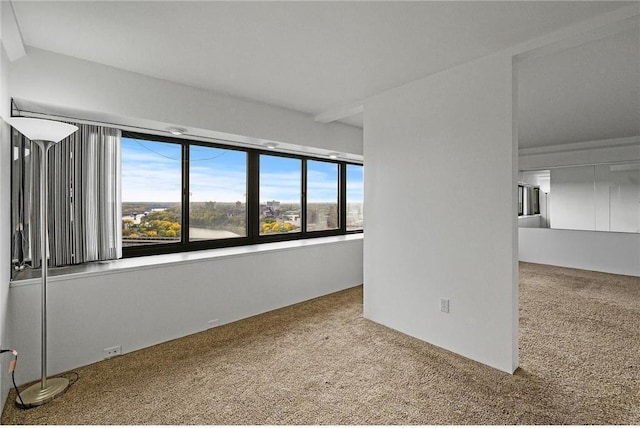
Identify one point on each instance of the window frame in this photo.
(535, 200)
(252, 202)
(530, 200)
(187, 180)
(306, 190)
(303, 196)
(520, 200)
(346, 199)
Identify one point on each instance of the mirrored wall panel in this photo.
(602, 197)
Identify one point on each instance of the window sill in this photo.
(29, 277)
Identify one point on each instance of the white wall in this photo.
(601, 198)
(599, 251)
(426, 144)
(139, 307)
(530, 221)
(623, 191)
(596, 197)
(572, 190)
(584, 153)
(5, 220)
(98, 92)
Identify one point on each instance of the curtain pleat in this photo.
(84, 198)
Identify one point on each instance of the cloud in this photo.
(148, 176)
(222, 186)
(151, 171)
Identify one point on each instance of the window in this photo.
(520, 199)
(528, 200)
(322, 195)
(355, 197)
(151, 192)
(280, 195)
(181, 195)
(217, 193)
(535, 200)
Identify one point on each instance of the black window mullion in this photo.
(520, 200)
(253, 196)
(185, 194)
(303, 202)
(342, 198)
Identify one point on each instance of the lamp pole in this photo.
(44, 134)
(44, 147)
(546, 209)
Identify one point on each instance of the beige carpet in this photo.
(320, 362)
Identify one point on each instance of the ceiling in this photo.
(318, 56)
(589, 92)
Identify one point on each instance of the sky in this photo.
(151, 173)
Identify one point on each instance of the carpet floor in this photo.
(321, 362)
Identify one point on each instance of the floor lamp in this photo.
(546, 209)
(44, 133)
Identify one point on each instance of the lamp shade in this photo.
(41, 129)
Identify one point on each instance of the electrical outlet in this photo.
(112, 352)
(444, 305)
(214, 323)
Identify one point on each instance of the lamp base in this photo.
(36, 396)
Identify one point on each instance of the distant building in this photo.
(134, 218)
(292, 215)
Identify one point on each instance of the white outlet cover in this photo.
(444, 305)
(113, 351)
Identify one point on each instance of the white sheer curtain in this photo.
(84, 199)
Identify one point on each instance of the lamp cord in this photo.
(12, 369)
